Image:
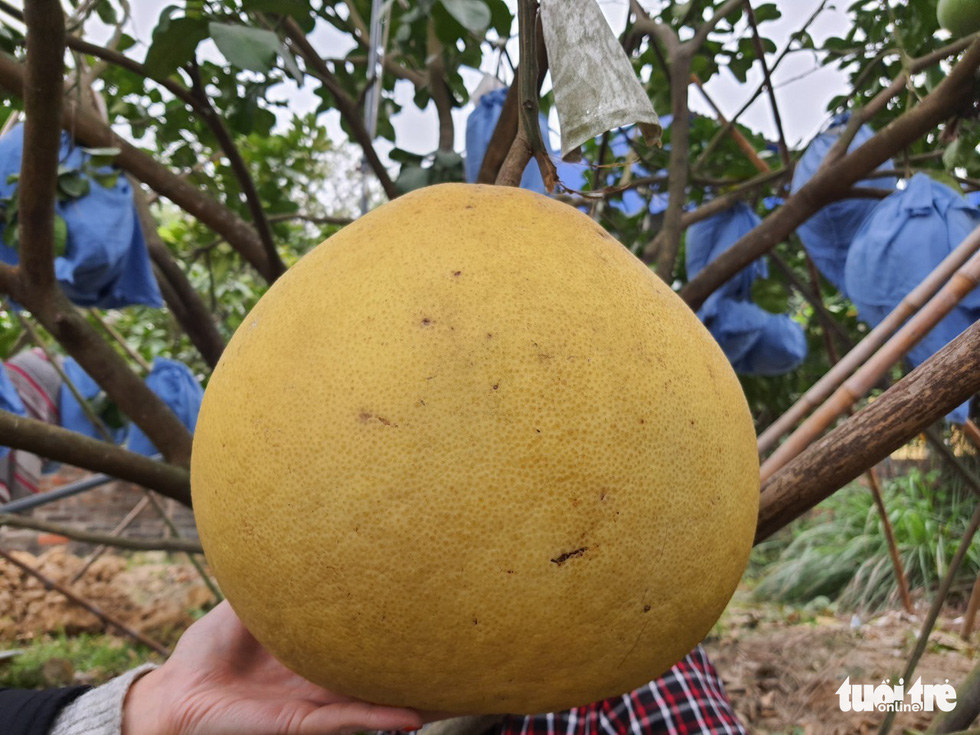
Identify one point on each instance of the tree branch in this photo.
(439, 91)
(87, 127)
(943, 382)
(702, 33)
(62, 445)
(78, 534)
(183, 301)
(504, 134)
(44, 75)
(211, 118)
(760, 52)
(345, 105)
(528, 142)
(834, 181)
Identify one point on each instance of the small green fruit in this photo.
(959, 17)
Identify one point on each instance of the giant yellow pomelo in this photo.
(471, 455)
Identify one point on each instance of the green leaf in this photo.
(473, 15)
(411, 178)
(106, 13)
(11, 233)
(296, 9)
(174, 42)
(765, 12)
(73, 185)
(60, 235)
(289, 62)
(247, 48)
(106, 181)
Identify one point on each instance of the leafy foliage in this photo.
(840, 551)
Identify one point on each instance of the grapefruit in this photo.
(959, 17)
(471, 455)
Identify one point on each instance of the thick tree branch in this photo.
(832, 182)
(43, 75)
(346, 106)
(943, 382)
(62, 445)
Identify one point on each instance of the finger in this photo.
(345, 717)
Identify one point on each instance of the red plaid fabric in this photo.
(689, 698)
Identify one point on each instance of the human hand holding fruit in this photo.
(221, 680)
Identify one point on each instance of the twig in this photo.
(184, 302)
(760, 52)
(104, 617)
(723, 131)
(312, 218)
(55, 363)
(900, 578)
(438, 90)
(504, 134)
(115, 533)
(120, 340)
(346, 106)
(213, 120)
(666, 244)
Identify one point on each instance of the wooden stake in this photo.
(105, 617)
(900, 578)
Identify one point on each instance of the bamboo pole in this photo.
(912, 303)
(873, 484)
(105, 617)
(910, 406)
(863, 380)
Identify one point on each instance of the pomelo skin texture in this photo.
(959, 17)
(471, 455)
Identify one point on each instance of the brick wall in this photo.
(99, 510)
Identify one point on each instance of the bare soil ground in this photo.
(782, 668)
(154, 597)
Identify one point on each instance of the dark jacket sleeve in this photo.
(30, 712)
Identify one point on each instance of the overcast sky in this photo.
(802, 87)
